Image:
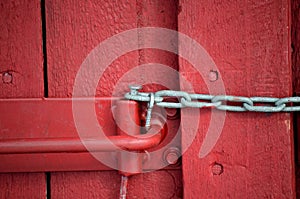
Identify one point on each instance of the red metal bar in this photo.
(28, 125)
(128, 122)
(138, 143)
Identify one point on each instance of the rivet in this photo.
(217, 169)
(213, 76)
(7, 77)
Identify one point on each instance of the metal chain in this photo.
(237, 103)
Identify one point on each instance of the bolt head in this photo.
(172, 155)
(172, 158)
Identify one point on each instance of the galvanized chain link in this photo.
(220, 102)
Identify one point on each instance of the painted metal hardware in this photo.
(154, 136)
(40, 135)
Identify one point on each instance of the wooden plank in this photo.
(23, 185)
(97, 185)
(296, 82)
(73, 30)
(156, 13)
(296, 45)
(21, 56)
(21, 72)
(250, 44)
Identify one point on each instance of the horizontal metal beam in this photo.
(66, 145)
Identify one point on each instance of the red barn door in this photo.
(43, 44)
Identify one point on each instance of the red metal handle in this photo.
(138, 143)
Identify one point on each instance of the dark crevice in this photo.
(48, 185)
(44, 42)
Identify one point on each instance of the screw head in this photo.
(172, 155)
(217, 169)
(7, 77)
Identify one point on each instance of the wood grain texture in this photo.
(23, 185)
(21, 73)
(21, 56)
(73, 30)
(156, 13)
(106, 184)
(295, 5)
(296, 44)
(250, 43)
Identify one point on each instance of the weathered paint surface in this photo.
(73, 30)
(21, 56)
(296, 44)
(21, 75)
(296, 80)
(160, 184)
(252, 54)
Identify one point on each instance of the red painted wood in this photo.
(72, 37)
(296, 80)
(156, 13)
(22, 185)
(21, 58)
(296, 44)
(73, 30)
(21, 75)
(250, 43)
(96, 185)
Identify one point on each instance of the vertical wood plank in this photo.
(21, 56)
(296, 81)
(73, 30)
(296, 45)
(250, 44)
(157, 13)
(21, 73)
